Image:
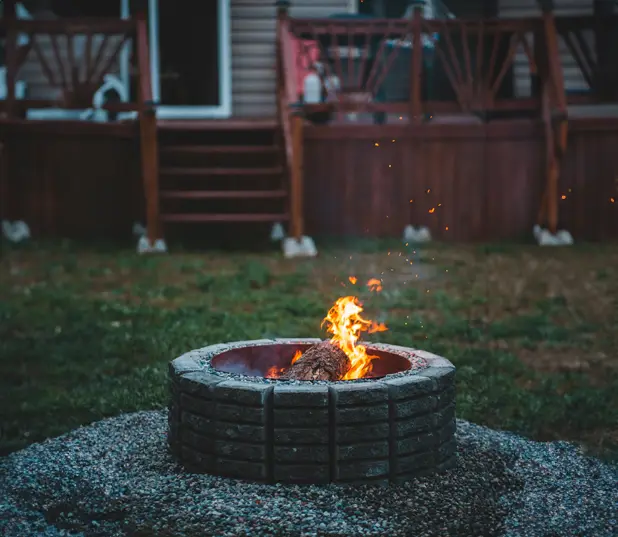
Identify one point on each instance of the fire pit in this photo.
(239, 410)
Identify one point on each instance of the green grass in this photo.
(86, 334)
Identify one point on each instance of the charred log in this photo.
(323, 361)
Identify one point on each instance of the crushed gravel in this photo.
(115, 478)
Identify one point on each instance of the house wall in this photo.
(254, 24)
(573, 79)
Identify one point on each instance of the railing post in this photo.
(556, 128)
(148, 133)
(416, 67)
(297, 183)
(10, 56)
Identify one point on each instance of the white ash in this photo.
(116, 478)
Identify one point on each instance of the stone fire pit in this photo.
(227, 419)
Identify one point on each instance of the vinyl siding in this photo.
(254, 24)
(573, 79)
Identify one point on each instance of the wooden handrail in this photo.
(143, 59)
(69, 26)
(148, 133)
(291, 124)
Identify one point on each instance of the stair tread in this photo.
(226, 217)
(221, 194)
(221, 149)
(221, 171)
(206, 125)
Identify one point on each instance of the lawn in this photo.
(88, 333)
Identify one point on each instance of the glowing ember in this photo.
(374, 284)
(275, 372)
(346, 324)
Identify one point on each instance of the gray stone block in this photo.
(361, 470)
(233, 431)
(414, 407)
(202, 461)
(242, 393)
(300, 396)
(196, 404)
(199, 442)
(359, 394)
(198, 383)
(364, 450)
(361, 414)
(358, 433)
(406, 464)
(306, 417)
(301, 453)
(410, 386)
(240, 450)
(240, 414)
(444, 376)
(199, 424)
(300, 435)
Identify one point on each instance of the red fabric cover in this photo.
(306, 52)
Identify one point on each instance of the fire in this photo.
(275, 372)
(346, 324)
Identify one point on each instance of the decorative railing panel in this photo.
(72, 55)
(388, 64)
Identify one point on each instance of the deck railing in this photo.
(358, 59)
(92, 48)
(74, 61)
(389, 65)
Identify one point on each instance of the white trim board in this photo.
(224, 110)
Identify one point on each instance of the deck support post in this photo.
(296, 178)
(149, 151)
(555, 120)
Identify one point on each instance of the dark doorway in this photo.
(189, 53)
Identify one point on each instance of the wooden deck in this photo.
(483, 181)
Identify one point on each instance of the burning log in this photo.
(323, 361)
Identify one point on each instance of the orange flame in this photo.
(353, 280)
(275, 372)
(346, 324)
(375, 285)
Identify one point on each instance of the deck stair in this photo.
(221, 171)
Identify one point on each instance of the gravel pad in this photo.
(116, 478)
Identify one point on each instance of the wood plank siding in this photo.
(253, 50)
(573, 79)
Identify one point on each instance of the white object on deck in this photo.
(312, 89)
(277, 233)
(15, 231)
(110, 82)
(305, 247)
(416, 234)
(144, 246)
(545, 238)
(138, 229)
